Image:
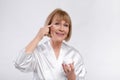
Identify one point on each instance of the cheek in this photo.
(67, 31)
(52, 29)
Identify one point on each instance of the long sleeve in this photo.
(81, 73)
(43, 61)
(25, 62)
(80, 68)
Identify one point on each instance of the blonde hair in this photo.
(60, 15)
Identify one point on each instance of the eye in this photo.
(57, 23)
(66, 25)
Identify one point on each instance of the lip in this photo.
(60, 34)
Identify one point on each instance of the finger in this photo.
(72, 67)
(46, 34)
(49, 25)
(67, 68)
(63, 65)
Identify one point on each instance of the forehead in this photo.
(61, 17)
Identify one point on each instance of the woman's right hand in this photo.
(43, 32)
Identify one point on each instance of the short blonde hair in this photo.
(60, 15)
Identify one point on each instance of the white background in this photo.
(96, 33)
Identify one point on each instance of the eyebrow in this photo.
(61, 20)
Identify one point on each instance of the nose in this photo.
(61, 27)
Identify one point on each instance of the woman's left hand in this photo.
(69, 71)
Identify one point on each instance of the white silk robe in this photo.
(44, 65)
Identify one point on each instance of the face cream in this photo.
(67, 61)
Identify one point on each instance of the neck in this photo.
(56, 44)
(56, 47)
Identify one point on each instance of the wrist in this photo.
(72, 77)
(38, 37)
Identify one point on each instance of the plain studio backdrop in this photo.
(96, 33)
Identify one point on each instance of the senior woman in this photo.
(53, 59)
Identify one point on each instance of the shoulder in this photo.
(77, 53)
(71, 48)
(73, 53)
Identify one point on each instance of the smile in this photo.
(60, 34)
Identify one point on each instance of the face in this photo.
(59, 30)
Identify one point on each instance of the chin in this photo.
(60, 40)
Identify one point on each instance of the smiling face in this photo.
(60, 30)
(62, 25)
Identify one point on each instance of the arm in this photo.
(69, 71)
(33, 44)
(26, 60)
(74, 74)
(80, 68)
(76, 70)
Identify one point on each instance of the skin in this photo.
(58, 32)
(69, 70)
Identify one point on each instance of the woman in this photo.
(47, 60)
